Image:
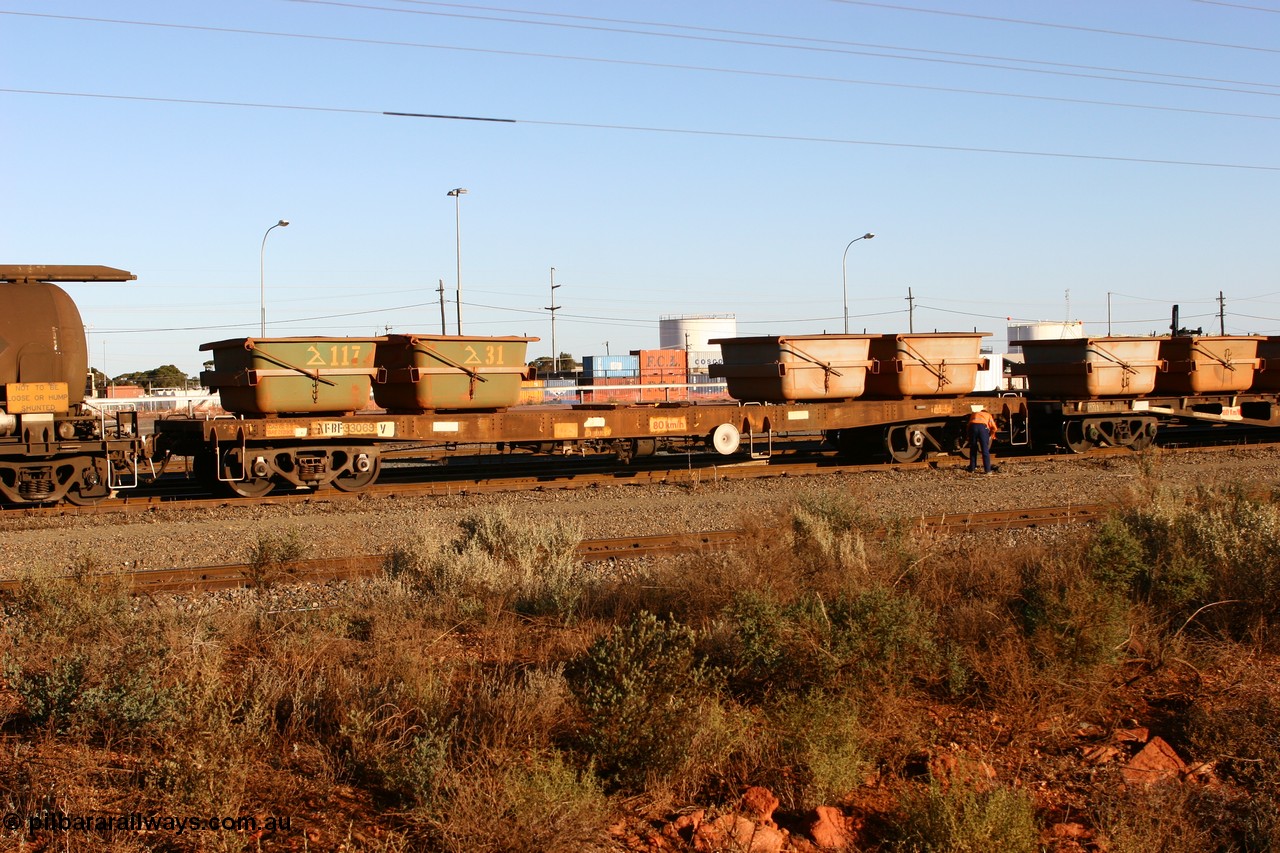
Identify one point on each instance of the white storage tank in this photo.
(1045, 331)
(692, 331)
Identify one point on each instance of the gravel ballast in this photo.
(175, 538)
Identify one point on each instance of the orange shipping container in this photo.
(662, 361)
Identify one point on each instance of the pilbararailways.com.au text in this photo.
(138, 822)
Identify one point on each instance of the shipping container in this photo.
(662, 362)
(1090, 367)
(610, 366)
(1208, 364)
(532, 392)
(420, 373)
(701, 360)
(267, 376)
(792, 368)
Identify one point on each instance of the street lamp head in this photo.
(867, 236)
(283, 222)
(454, 193)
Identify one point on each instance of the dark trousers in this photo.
(980, 439)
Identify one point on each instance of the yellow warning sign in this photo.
(36, 397)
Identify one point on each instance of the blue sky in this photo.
(1015, 159)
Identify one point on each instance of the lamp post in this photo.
(262, 274)
(457, 195)
(555, 354)
(844, 278)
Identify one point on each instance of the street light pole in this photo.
(555, 353)
(262, 274)
(844, 278)
(457, 195)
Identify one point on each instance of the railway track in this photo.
(231, 576)
(540, 475)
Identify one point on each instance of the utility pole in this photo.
(457, 195)
(553, 307)
(1222, 319)
(911, 311)
(440, 290)
(1108, 314)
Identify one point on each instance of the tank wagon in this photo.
(52, 447)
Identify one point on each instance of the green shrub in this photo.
(874, 635)
(81, 656)
(957, 819)
(1073, 623)
(824, 748)
(644, 696)
(1176, 556)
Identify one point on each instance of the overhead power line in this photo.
(1239, 6)
(1051, 25)
(773, 137)
(845, 48)
(1222, 85)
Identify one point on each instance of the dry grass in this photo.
(489, 693)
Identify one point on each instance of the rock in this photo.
(1101, 754)
(942, 766)
(1156, 762)
(759, 804)
(1071, 829)
(829, 829)
(737, 833)
(1139, 734)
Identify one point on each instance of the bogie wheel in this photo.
(905, 443)
(1074, 436)
(351, 482)
(92, 484)
(1145, 435)
(254, 487)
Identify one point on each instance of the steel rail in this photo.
(694, 473)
